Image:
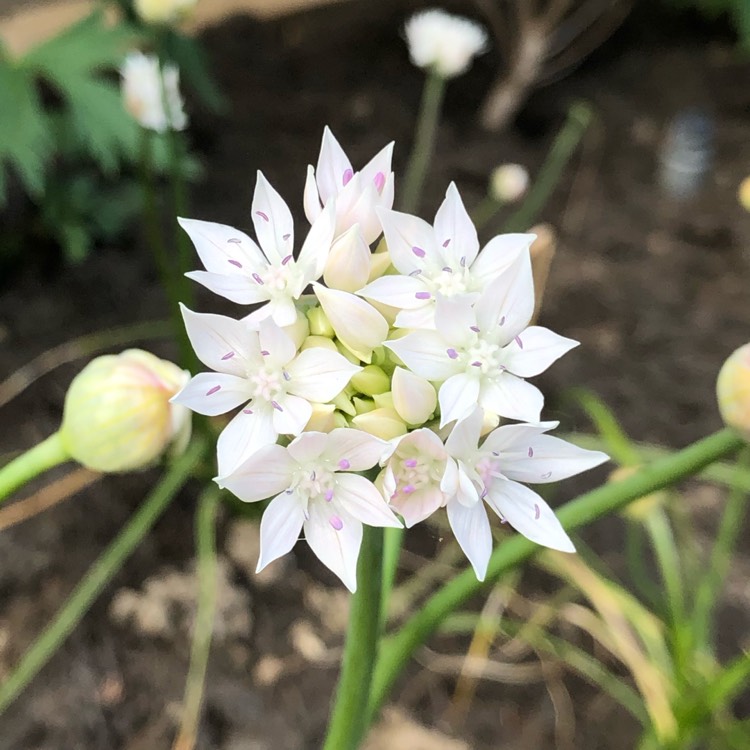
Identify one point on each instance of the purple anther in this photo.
(408, 489)
(228, 355)
(313, 475)
(447, 269)
(517, 339)
(531, 452)
(348, 174)
(344, 464)
(262, 215)
(410, 463)
(286, 375)
(286, 260)
(546, 475)
(264, 352)
(418, 252)
(258, 279)
(495, 453)
(463, 262)
(423, 295)
(502, 321)
(452, 353)
(447, 242)
(213, 390)
(286, 236)
(476, 364)
(276, 405)
(484, 493)
(336, 522)
(474, 328)
(416, 272)
(328, 495)
(235, 263)
(537, 511)
(379, 181)
(247, 411)
(236, 240)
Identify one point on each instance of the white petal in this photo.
(472, 531)
(317, 245)
(414, 398)
(359, 496)
(249, 431)
(528, 514)
(238, 288)
(272, 220)
(358, 325)
(380, 164)
(221, 247)
(280, 528)
(221, 343)
(467, 493)
(308, 447)
(420, 318)
(266, 473)
(549, 459)
(334, 169)
(282, 310)
(348, 264)
(336, 548)
(311, 199)
(426, 354)
(454, 318)
(508, 301)
(419, 505)
(411, 240)
(213, 393)
(514, 438)
(397, 291)
(276, 345)
(291, 414)
(464, 438)
(534, 350)
(498, 255)
(512, 397)
(361, 210)
(319, 374)
(458, 397)
(360, 450)
(454, 227)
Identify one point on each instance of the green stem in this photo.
(396, 650)
(205, 535)
(43, 456)
(565, 143)
(424, 142)
(99, 574)
(348, 723)
(393, 539)
(485, 211)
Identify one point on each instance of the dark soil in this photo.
(656, 291)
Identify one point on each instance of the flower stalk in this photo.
(35, 461)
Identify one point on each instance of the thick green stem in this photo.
(393, 539)
(205, 536)
(35, 461)
(396, 650)
(100, 573)
(348, 721)
(424, 142)
(565, 143)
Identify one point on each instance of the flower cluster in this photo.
(370, 385)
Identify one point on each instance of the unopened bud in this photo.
(414, 398)
(733, 391)
(319, 323)
(163, 11)
(382, 423)
(509, 183)
(118, 416)
(348, 264)
(323, 342)
(743, 194)
(363, 405)
(322, 418)
(371, 380)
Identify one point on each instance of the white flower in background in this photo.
(357, 194)
(509, 183)
(440, 260)
(492, 473)
(315, 492)
(444, 43)
(236, 268)
(482, 353)
(261, 371)
(151, 94)
(163, 11)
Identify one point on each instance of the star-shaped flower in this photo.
(493, 471)
(236, 268)
(261, 371)
(315, 490)
(443, 259)
(482, 353)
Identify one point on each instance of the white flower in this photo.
(163, 11)
(151, 94)
(314, 491)
(357, 194)
(262, 371)
(481, 354)
(444, 43)
(440, 260)
(236, 268)
(492, 473)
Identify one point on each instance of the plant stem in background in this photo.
(396, 650)
(100, 573)
(348, 722)
(35, 461)
(424, 142)
(563, 147)
(205, 536)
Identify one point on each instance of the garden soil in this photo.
(655, 289)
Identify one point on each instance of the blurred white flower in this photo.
(444, 43)
(151, 93)
(733, 391)
(163, 11)
(509, 183)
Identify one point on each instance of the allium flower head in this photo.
(444, 43)
(314, 490)
(151, 93)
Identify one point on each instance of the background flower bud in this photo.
(733, 391)
(117, 414)
(509, 183)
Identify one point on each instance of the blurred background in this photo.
(651, 273)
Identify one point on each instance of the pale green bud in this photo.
(380, 262)
(322, 418)
(299, 330)
(348, 353)
(348, 264)
(382, 423)
(733, 391)
(118, 416)
(319, 323)
(414, 398)
(340, 420)
(383, 400)
(344, 403)
(371, 380)
(322, 342)
(363, 405)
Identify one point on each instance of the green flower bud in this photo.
(350, 355)
(371, 380)
(363, 405)
(319, 323)
(382, 423)
(733, 391)
(320, 341)
(118, 416)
